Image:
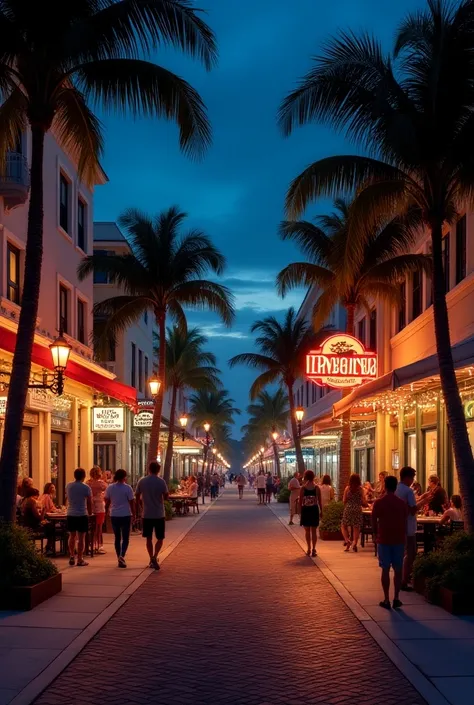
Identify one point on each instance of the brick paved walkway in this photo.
(237, 616)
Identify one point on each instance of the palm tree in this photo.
(215, 408)
(269, 414)
(222, 435)
(187, 366)
(413, 113)
(162, 273)
(51, 72)
(341, 278)
(282, 347)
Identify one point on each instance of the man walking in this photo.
(261, 486)
(79, 508)
(294, 487)
(389, 519)
(404, 491)
(241, 482)
(150, 493)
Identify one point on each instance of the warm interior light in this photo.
(214, 450)
(154, 383)
(299, 413)
(207, 427)
(183, 420)
(60, 351)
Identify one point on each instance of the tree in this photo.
(187, 366)
(53, 65)
(269, 414)
(282, 347)
(215, 408)
(351, 282)
(162, 273)
(413, 113)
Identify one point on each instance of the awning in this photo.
(42, 357)
(463, 356)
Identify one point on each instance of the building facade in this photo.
(57, 434)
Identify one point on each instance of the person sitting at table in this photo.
(47, 498)
(32, 517)
(23, 486)
(454, 512)
(416, 487)
(379, 489)
(439, 499)
(369, 491)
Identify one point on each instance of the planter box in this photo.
(25, 598)
(419, 585)
(457, 602)
(330, 535)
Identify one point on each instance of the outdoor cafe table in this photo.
(61, 518)
(178, 501)
(429, 525)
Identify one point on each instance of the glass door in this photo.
(410, 449)
(58, 467)
(104, 456)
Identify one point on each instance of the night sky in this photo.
(236, 192)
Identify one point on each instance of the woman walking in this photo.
(311, 510)
(354, 499)
(119, 496)
(98, 487)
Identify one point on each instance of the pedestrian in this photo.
(327, 491)
(261, 485)
(439, 499)
(98, 487)
(150, 494)
(268, 487)
(294, 488)
(241, 482)
(215, 486)
(119, 498)
(311, 510)
(354, 499)
(389, 520)
(404, 491)
(79, 508)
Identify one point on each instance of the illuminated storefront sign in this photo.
(341, 362)
(143, 419)
(107, 418)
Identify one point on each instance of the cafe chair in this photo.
(193, 502)
(367, 531)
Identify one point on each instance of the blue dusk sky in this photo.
(236, 192)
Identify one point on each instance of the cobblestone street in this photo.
(237, 615)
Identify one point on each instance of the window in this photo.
(361, 330)
(63, 309)
(133, 372)
(373, 330)
(64, 187)
(146, 376)
(446, 263)
(13, 274)
(140, 370)
(81, 321)
(416, 296)
(402, 318)
(460, 249)
(100, 277)
(82, 225)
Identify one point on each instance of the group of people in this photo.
(97, 497)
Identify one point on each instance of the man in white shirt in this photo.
(404, 491)
(294, 487)
(261, 485)
(152, 492)
(79, 508)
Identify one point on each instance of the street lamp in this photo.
(60, 351)
(207, 427)
(275, 436)
(183, 420)
(154, 383)
(299, 413)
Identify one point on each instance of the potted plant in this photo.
(27, 578)
(330, 526)
(168, 510)
(457, 587)
(284, 493)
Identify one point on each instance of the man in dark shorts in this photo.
(150, 493)
(79, 508)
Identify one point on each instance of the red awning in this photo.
(41, 356)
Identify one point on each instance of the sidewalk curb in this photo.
(35, 687)
(422, 684)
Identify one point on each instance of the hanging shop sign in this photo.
(40, 400)
(143, 419)
(107, 418)
(290, 455)
(146, 403)
(3, 406)
(341, 362)
(468, 410)
(59, 423)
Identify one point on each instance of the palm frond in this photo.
(312, 241)
(302, 274)
(201, 294)
(262, 381)
(116, 315)
(12, 122)
(395, 269)
(260, 362)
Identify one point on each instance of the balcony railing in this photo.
(15, 180)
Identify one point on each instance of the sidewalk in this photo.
(439, 645)
(54, 632)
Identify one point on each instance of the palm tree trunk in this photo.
(277, 459)
(169, 447)
(294, 431)
(454, 409)
(345, 447)
(156, 423)
(21, 366)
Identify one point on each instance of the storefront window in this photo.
(430, 452)
(410, 440)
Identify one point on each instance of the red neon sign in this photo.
(341, 362)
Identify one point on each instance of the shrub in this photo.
(168, 510)
(332, 517)
(284, 494)
(21, 564)
(173, 486)
(451, 566)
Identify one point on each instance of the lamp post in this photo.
(183, 420)
(276, 457)
(262, 451)
(60, 351)
(207, 427)
(299, 413)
